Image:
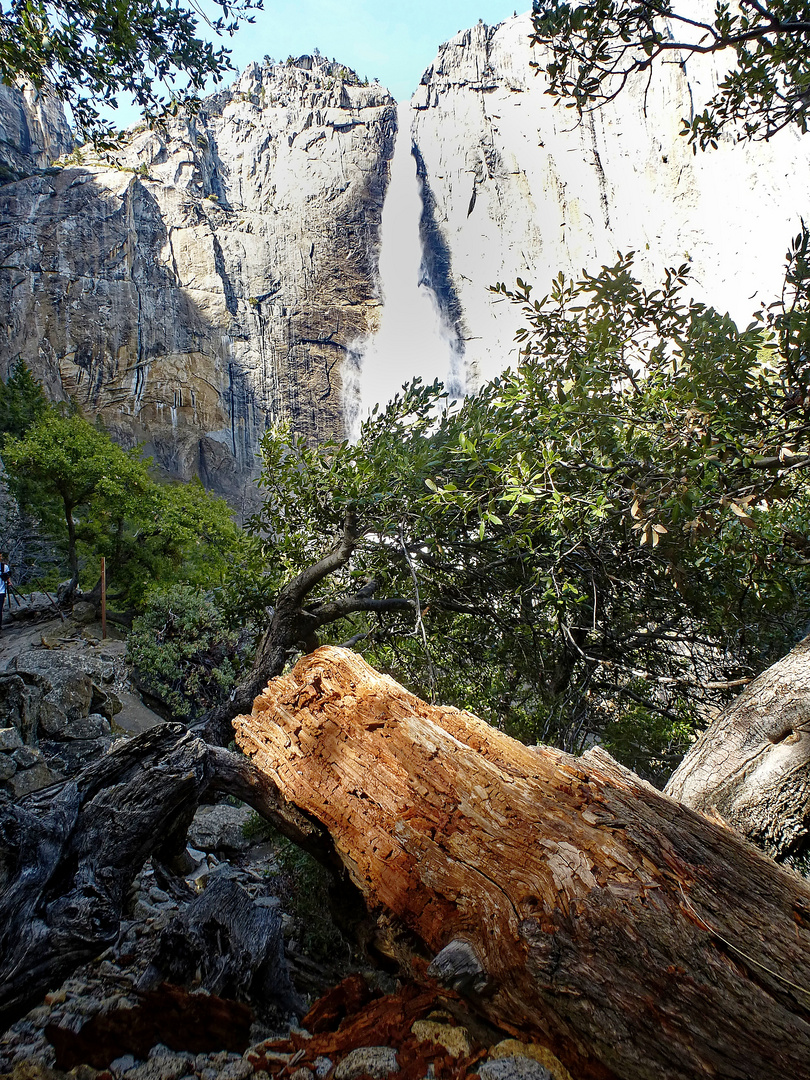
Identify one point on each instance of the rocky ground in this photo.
(65, 697)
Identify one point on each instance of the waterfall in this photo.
(414, 338)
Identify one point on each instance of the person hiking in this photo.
(5, 584)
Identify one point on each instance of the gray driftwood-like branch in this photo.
(68, 855)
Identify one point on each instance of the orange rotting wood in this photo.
(582, 907)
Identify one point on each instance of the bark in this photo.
(752, 765)
(69, 855)
(293, 627)
(571, 902)
(231, 947)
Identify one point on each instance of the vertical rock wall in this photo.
(33, 131)
(212, 278)
(516, 187)
(209, 281)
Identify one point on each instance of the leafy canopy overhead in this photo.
(597, 47)
(91, 51)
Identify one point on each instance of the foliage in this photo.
(304, 887)
(617, 522)
(22, 401)
(183, 650)
(97, 499)
(597, 47)
(88, 53)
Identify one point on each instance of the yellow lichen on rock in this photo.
(541, 1054)
(455, 1040)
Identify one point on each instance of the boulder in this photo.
(20, 704)
(219, 828)
(83, 613)
(24, 781)
(10, 738)
(60, 701)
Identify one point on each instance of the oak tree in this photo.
(596, 48)
(89, 53)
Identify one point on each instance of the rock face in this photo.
(33, 132)
(213, 279)
(210, 281)
(515, 187)
(55, 715)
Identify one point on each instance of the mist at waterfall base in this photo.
(414, 338)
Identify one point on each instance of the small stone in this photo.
(210, 1072)
(455, 1040)
(158, 896)
(514, 1068)
(237, 1070)
(166, 1066)
(56, 997)
(122, 1064)
(322, 1066)
(7, 767)
(375, 1061)
(10, 739)
(303, 1074)
(144, 910)
(159, 1050)
(541, 1054)
(84, 1072)
(25, 757)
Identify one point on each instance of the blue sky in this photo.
(390, 40)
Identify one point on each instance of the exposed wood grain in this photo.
(752, 764)
(637, 938)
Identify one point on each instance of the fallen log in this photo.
(752, 764)
(231, 947)
(568, 900)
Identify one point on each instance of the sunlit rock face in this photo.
(224, 274)
(33, 132)
(517, 187)
(209, 282)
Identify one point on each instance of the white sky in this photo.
(390, 40)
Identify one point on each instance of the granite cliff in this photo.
(514, 186)
(207, 281)
(33, 132)
(215, 277)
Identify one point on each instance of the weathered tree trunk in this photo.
(571, 901)
(752, 765)
(67, 859)
(231, 947)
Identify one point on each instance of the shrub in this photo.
(183, 650)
